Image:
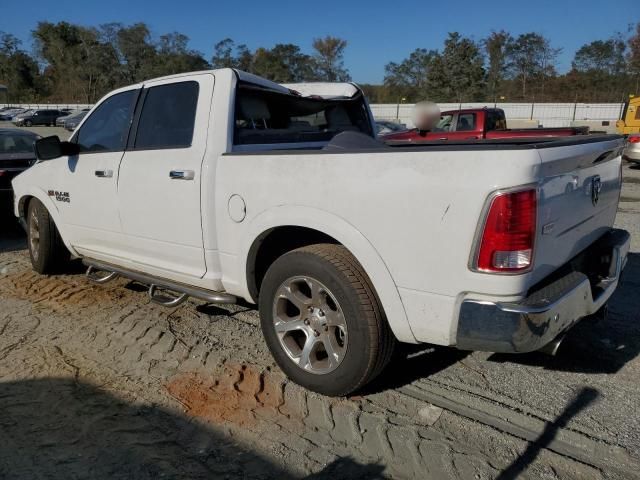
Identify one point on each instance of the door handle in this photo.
(442, 138)
(182, 175)
(104, 173)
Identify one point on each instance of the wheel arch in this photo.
(283, 229)
(22, 209)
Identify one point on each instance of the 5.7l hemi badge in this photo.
(60, 196)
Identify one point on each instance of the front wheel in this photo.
(46, 249)
(28, 123)
(322, 320)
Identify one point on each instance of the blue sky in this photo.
(377, 31)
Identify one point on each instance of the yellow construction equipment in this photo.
(630, 121)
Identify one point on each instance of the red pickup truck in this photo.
(478, 123)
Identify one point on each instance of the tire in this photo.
(28, 123)
(46, 249)
(337, 310)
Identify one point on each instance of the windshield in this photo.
(444, 124)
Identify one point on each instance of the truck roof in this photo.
(473, 110)
(322, 89)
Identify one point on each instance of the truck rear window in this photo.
(269, 117)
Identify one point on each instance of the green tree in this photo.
(18, 71)
(136, 51)
(75, 60)
(496, 46)
(409, 78)
(283, 63)
(458, 73)
(633, 59)
(531, 57)
(173, 56)
(329, 59)
(600, 69)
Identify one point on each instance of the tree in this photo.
(329, 59)
(600, 69)
(409, 77)
(283, 63)
(74, 60)
(18, 71)
(458, 73)
(633, 58)
(223, 54)
(531, 56)
(173, 56)
(496, 47)
(136, 51)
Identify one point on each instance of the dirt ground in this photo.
(97, 382)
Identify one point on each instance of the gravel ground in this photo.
(96, 382)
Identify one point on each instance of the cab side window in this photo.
(466, 122)
(107, 128)
(168, 116)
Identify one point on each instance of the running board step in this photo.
(164, 299)
(100, 276)
(155, 284)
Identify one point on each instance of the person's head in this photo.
(426, 115)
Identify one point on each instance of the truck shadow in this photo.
(593, 346)
(62, 428)
(413, 362)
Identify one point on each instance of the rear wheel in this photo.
(322, 320)
(46, 249)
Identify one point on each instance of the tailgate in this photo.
(579, 192)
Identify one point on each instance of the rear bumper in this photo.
(538, 319)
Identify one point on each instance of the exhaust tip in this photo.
(552, 347)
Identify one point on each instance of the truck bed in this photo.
(420, 206)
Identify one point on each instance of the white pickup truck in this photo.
(220, 185)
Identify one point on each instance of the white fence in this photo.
(546, 114)
(54, 106)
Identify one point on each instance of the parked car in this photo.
(38, 117)
(71, 121)
(9, 113)
(632, 149)
(16, 155)
(282, 196)
(478, 123)
(384, 127)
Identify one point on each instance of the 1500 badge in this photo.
(60, 196)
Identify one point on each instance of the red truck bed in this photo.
(479, 123)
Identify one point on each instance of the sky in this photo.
(377, 32)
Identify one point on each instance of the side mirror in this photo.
(48, 148)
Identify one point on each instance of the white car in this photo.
(632, 149)
(222, 185)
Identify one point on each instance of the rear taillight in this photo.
(509, 232)
(634, 139)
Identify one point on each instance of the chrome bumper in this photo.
(535, 321)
